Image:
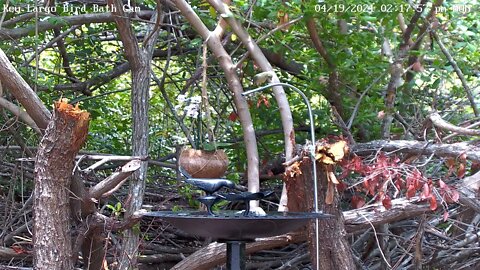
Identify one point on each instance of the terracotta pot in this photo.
(204, 164)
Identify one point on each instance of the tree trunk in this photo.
(234, 84)
(65, 134)
(280, 96)
(334, 251)
(139, 59)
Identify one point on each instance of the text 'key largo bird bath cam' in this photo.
(238, 228)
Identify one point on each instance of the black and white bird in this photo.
(209, 185)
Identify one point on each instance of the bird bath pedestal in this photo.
(236, 229)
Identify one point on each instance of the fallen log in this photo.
(453, 150)
(215, 253)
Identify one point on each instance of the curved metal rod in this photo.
(311, 149)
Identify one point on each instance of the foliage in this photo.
(384, 178)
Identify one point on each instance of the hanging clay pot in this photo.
(203, 163)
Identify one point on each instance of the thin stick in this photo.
(376, 238)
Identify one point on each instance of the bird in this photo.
(209, 185)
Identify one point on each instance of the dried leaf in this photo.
(387, 202)
(442, 184)
(333, 178)
(454, 195)
(451, 166)
(450, 195)
(410, 191)
(233, 116)
(330, 193)
(282, 18)
(425, 192)
(357, 201)
(338, 150)
(461, 170)
(445, 216)
(433, 203)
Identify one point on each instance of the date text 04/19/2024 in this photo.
(386, 8)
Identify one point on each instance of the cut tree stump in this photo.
(334, 251)
(65, 134)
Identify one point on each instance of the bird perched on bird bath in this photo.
(209, 185)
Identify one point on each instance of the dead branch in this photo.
(17, 111)
(453, 150)
(9, 253)
(438, 121)
(214, 253)
(359, 219)
(114, 181)
(459, 73)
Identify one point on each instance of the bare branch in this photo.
(114, 181)
(439, 122)
(459, 73)
(17, 111)
(23, 93)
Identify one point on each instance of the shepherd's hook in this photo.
(311, 149)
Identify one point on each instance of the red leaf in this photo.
(461, 170)
(445, 216)
(342, 187)
(450, 195)
(263, 100)
(425, 192)
(357, 201)
(410, 191)
(399, 183)
(433, 203)
(233, 116)
(357, 164)
(18, 249)
(387, 202)
(366, 183)
(451, 166)
(442, 184)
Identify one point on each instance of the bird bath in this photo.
(235, 228)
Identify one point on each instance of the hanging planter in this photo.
(204, 163)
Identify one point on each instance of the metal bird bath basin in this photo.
(234, 226)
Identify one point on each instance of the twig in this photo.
(376, 238)
(459, 73)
